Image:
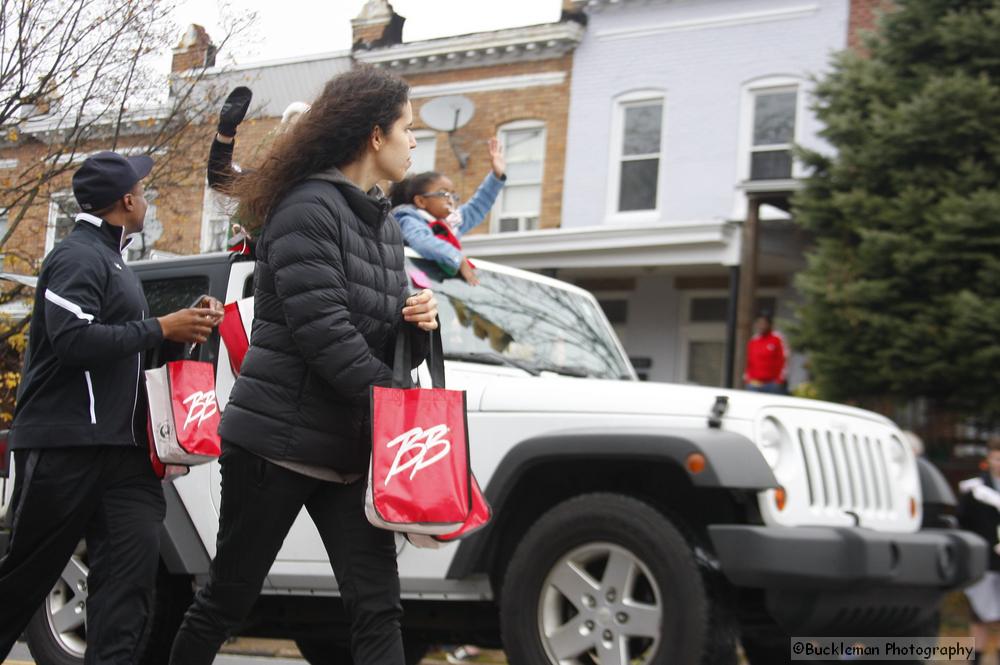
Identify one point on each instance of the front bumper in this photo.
(835, 557)
(838, 580)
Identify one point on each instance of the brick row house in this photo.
(517, 79)
(640, 136)
(681, 125)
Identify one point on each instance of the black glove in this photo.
(234, 110)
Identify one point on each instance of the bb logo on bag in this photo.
(424, 440)
(203, 406)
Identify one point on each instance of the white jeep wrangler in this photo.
(633, 522)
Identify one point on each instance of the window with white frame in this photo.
(216, 225)
(615, 306)
(773, 133)
(520, 203)
(423, 156)
(152, 229)
(63, 210)
(638, 152)
(703, 334)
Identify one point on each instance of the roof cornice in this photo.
(663, 243)
(56, 126)
(601, 5)
(536, 42)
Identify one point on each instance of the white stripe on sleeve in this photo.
(57, 299)
(90, 392)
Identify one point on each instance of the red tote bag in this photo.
(235, 331)
(165, 472)
(479, 517)
(183, 412)
(420, 478)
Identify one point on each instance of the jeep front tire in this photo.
(603, 579)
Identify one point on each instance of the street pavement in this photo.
(21, 656)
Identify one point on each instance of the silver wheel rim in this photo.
(600, 605)
(66, 605)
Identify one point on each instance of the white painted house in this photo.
(678, 110)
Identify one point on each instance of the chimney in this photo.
(573, 10)
(194, 51)
(863, 19)
(377, 25)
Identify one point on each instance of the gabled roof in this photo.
(278, 83)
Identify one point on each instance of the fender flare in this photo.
(933, 486)
(732, 462)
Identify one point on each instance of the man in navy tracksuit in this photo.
(79, 433)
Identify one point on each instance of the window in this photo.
(521, 198)
(616, 310)
(615, 306)
(216, 225)
(638, 147)
(521, 322)
(4, 221)
(703, 335)
(63, 210)
(769, 126)
(169, 295)
(152, 229)
(424, 155)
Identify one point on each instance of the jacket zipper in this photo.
(135, 395)
(381, 265)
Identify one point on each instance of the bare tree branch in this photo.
(77, 76)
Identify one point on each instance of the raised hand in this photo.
(496, 156)
(234, 110)
(468, 273)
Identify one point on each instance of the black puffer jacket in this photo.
(329, 287)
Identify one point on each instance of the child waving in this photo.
(426, 207)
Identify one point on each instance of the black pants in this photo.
(260, 501)
(108, 495)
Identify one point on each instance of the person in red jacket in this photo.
(767, 358)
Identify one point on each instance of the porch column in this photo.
(734, 297)
(748, 283)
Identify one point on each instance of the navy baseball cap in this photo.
(107, 176)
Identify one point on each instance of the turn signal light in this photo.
(913, 507)
(780, 498)
(695, 463)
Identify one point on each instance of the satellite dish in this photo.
(446, 114)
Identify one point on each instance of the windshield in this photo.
(522, 323)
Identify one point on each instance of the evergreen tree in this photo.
(902, 290)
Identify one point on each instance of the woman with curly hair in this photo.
(331, 295)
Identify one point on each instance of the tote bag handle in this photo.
(403, 359)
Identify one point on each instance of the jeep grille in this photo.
(848, 472)
(841, 468)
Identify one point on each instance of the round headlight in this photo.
(769, 439)
(897, 456)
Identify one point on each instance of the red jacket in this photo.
(766, 358)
